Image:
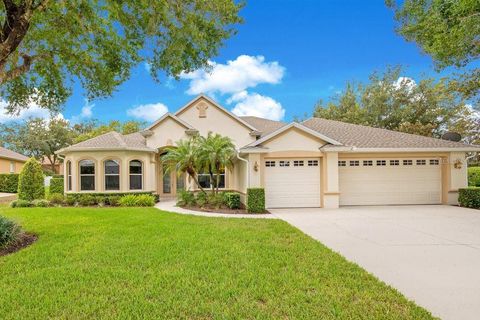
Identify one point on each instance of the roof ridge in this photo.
(119, 138)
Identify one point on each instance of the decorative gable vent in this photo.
(202, 110)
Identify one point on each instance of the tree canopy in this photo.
(448, 31)
(47, 46)
(427, 107)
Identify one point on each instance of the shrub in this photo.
(145, 200)
(56, 185)
(56, 198)
(474, 176)
(215, 200)
(30, 182)
(9, 183)
(20, 204)
(256, 200)
(9, 232)
(70, 201)
(41, 203)
(201, 199)
(87, 200)
(232, 200)
(129, 200)
(469, 197)
(186, 198)
(114, 201)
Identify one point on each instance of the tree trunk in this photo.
(192, 174)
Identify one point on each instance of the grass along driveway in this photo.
(142, 263)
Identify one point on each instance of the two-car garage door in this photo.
(292, 183)
(390, 181)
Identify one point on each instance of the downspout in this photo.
(248, 168)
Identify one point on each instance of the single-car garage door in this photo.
(390, 181)
(292, 183)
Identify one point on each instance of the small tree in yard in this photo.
(30, 182)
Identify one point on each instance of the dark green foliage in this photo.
(9, 232)
(474, 176)
(201, 199)
(113, 201)
(31, 181)
(41, 203)
(256, 200)
(186, 198)
(87, 200)
(56, 198)
(215, 200)
(20, 204)
(9, 183)
(70, 201)
(56, 185)
(469, 197)
(232, 200)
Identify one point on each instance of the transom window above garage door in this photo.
(434, 162)
(342, 163)
(367, 163)
(388, 163)
(284, 163)
(298, 163)
(313, 163)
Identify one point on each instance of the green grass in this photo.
(141, 263)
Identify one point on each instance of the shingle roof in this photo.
(367, 137)
(9, 154)
(112, 140)
(265, 126)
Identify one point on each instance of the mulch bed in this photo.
(221, 210)
(25, 240)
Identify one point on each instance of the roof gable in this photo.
(174, 118)
(12, 155)
(216, 105)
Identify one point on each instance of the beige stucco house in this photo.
(315, 163)
(11, 161)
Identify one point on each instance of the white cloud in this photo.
(148, 112)
(31, 111)
(147, 66)
(408, 82)
(235, 76)
(85, 113)
(254, 104)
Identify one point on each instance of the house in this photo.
(315, 163)
(11, 161)
(47, 166)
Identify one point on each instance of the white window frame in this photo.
(135, 174)
(69, 175)
(105, 174)
(87, 174)
(12, 166)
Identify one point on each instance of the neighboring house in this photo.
(316, 163)
(46, 165)
(11, 161)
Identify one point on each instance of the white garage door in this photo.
(390, 181)
(292, 183)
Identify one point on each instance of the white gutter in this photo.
(248, 168)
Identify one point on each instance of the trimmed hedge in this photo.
(31, 181)
(56, 185)
(474, 176)
(104, 198)
(9, 183)
(232, 200)
(469, 197)
(256, 200)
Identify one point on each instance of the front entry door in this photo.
(171, 182)
(167, 182)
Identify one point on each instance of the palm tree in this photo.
(216, 153)
(184, 158)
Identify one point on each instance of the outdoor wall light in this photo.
(255, 166)
(458, 164)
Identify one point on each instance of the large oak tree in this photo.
(48, 45)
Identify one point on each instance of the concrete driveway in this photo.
(429, 253)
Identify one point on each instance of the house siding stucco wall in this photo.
(5, 166)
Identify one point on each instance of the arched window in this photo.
(69, 175)
(136, 174)
(112, 175)
(87, 175)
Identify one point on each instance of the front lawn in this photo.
(144, 264)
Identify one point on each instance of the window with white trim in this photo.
(69, 175)
(269, 163)
(407, 162)
(87, 175)
(434, 162)
(342, 163)
(381, 163)
(298, 163)
(205, 179)
(313, 163)
(394, 162)
(12, 166)
(135, 172)
(284, 163)
(354, 163)
(421, 162)
(367, 163)
(112, 175)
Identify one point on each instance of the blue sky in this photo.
(286, 56)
